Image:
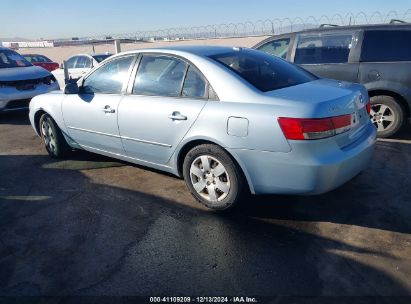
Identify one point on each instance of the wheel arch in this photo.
(187, 146)
(37, 117)
(398, 97)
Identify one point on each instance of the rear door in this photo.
(166, 98)
(386, 59)
(328, 54)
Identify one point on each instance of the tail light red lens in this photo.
(368, 107)
(314, 128)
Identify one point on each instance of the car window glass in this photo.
(263, 71)
(81, 62)
(30, 58)
(194, 84)
(11, 59)
(323, 48)
(88, 63)
(109, 78)
(159, 75)
(386, 46)
(100, 58)
(277, 47)
(71, 62)
(39, 58)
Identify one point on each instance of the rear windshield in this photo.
(100, 58)
(11, 59)
(263, 71)
(36, 58)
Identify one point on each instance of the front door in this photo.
(91, 116)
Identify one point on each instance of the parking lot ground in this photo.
(91, 225)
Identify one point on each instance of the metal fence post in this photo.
(117, 46)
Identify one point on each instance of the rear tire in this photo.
(214, 178)
(387, 115)
(53, 139)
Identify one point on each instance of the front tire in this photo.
(53, 139)
(387, 115)
(213, 178)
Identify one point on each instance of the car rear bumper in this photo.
(312, 167)
(12, 99)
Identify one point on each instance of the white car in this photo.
(20, 81)
(78, 66)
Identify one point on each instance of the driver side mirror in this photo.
(71, 88)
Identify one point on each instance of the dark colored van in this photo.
(377, 56)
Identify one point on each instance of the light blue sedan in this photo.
(231, 121)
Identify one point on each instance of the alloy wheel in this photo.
(382, 116)
(48, 136)
(210, 178)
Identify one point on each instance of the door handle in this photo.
(177, 116)
(107, 109)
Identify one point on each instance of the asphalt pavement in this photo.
(93, 226)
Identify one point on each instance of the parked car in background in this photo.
(20, 81)
(79, 65)
(228, 120)
(377, 56)
(41, 61)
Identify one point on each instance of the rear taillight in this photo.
(368, 106)
(314, 128)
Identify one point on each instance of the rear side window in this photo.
(194, 84)
(263, 71)
(159, 76)
(277, 47)
(323, 48)
(36, 58)
(386, 46)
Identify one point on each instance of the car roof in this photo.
(354, 27)
(198, 50)
(90, 55)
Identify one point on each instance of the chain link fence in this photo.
(257, 28)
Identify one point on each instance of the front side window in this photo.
(323, 48)
(83, 62)
(160, 76)
(263, 71)
(109, 78)
(71, 62)
(277, 47)
(386, 46)
(11, 59)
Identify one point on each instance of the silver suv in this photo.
(377, 56)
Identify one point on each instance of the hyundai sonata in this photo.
(229, 120)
